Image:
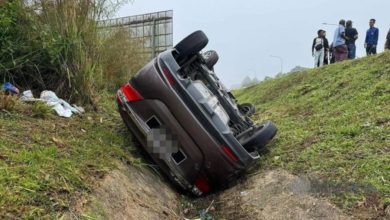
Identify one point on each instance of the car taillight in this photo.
(202, 185)
(229, 153)
(168, 75)
(130, 93)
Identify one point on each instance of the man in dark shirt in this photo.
(351, 35)
(371, 38)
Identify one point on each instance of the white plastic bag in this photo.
(61, 107)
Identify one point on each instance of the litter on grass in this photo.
(9, 88)
(27, 96)
(60, 106)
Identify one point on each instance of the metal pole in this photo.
(281, 62)
(329, 24)
(153, 38)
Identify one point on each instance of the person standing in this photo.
(331, 54)
(326, 48)
(318, 50)
(340, 48)
(371, 38)
(352, 35)
(387, 44)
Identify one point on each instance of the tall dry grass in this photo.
(122, 58)
(57, 45)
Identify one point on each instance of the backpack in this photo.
(319, 47)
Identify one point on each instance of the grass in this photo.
(334, 123)
(6, 102)
(40, 110)
(47, 164)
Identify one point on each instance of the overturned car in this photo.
(192, 127)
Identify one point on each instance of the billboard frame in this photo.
(156, 29)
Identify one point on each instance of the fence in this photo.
(154, 30)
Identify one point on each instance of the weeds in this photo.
(40, 110)
(45, 164)
(7, 102)
(56, 45)
(118, 69)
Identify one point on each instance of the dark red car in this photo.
(182, 115)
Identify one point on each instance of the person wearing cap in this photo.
(351, 35)
(372, 36)
(340, 48)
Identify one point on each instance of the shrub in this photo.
(40, 110)
(7, 102)
(56, 45)
(122, 58)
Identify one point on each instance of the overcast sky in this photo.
(246, 33)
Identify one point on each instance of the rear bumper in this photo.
(136, 117)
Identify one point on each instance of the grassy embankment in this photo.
(334, 123)
(57, 45)
(47, 163)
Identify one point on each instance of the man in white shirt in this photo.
(340, 48)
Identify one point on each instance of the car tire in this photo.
(191, 45)
(211, 58)
(247, 109)
(259, 137)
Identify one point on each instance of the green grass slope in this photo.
(48, 163)
(334, 122)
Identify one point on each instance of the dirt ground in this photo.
(139, 193)
(274, 195)
(130, 193)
